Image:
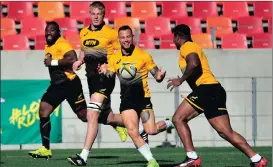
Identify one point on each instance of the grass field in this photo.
(167, 157)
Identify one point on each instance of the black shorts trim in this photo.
(101, 85)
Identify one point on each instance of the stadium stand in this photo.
(146, 41)
(40, 42)
(74, 39)
(166, 42)
(204, 40)
(154, 19)
(262, 40)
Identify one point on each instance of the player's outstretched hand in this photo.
(77, 65)
(102, 68)
(175, 82)
(160, 74)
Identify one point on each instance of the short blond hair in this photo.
(99, 5)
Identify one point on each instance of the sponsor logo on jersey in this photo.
(91, 42)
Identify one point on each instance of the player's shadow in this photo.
(144, 162)
(103, 157)
(2, 162)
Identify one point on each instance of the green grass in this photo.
(167, 157)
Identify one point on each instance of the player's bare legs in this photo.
(183, 114)
(222, 125)
(45, 126)
(131, 122)
(152, 128)
(114, 120)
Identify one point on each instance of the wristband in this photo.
(54, 63)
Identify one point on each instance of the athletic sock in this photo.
(256, 158)
(146, 152)
(192, 155)
(141, 128)
(169, 124)
(45, 127)
(84, 154)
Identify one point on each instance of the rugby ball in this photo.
(127, 71)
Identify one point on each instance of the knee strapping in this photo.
(95, 106)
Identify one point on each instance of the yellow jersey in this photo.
(132, 71)
(98, 46)
(57, 51)
(203, 74)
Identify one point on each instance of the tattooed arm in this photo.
(158, 74)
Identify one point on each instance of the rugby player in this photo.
(135, 93)
(208, 97)
(98, 43)
(65, 85)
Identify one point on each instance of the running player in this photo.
(98, 43)
(208, 97)
(65, 84)
(132, 66)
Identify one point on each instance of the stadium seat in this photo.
(193, 22)
(115, 10)
(174, 10)
(269, 21)
(158, 26)
(263, 9)
(234, 41)
(204, 9)
(87, 21)
(222, 25)
(146, 41)
(7, 27)
(32, 26)
(235, 10)
(204, 40)
(15, 42)
(50, 10)
(19, 10)
(250, 25)
(143, 10)
(79, 10)
(262, 40)
(74, 40)
(166, 42)
(40, 42)
(68, 26)
(130, 21)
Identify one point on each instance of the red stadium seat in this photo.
(146, 41)
(250, 25)
(269, 24)
(193, 22)
(19, 10)
(166, 42)
(50, 10)
(262, 40)
(174, 10)
(32, 26)
(7, 27)
(234, 41)
(74, 40)
(40, 42)
(222, 25)
(263, 9)
(235, 10)
(68, 25)
(87, 21)
(130, 21)
(143, 10)
(79, 10)
(115, 10)
(15, 42)
(204, 9)
(158, 26)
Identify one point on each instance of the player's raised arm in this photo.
(105, 70)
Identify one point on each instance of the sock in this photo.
(141, 129)
(169, 124)
(192, 155)
(45, 127)
(256, 158)
(146, 152)
(84, 154)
